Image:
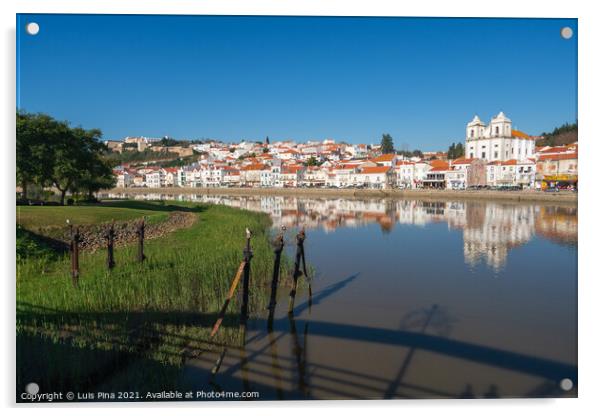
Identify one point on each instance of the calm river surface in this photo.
(414, 299)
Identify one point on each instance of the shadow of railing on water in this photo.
(300, 369)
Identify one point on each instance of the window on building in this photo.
(497, 130)
(483, 155)
(472, 133)
(495, 154)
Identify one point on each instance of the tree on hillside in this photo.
(168, 141)
(267, 140)
(455, 151)
(565, 134)
(386, 144)
(408, 153)
(312, 161)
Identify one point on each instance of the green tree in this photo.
(312, 161)
(386, 144)
(33, 131)
(98, 173)
(50, 152)
(455, 151)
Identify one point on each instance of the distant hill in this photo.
(565, 134)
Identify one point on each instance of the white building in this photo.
(154, 179)
(497, 140)
(404, 174)
(124, 179)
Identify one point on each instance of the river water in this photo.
(414, 299)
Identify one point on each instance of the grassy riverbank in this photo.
(565, 197)
(146, 317)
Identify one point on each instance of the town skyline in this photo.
(347, 79)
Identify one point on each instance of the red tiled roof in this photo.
(254, 166)
(557, 149)
(387, 157)
(463, 161)
(560, 156)
(375, 170)
(520, 134)
(439, 164)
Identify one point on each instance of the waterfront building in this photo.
(378, 177)
(124, 178)
(153, 179)
(557, 170)
(404, 174)
(170, 176)
(435, 178)
(250, 175)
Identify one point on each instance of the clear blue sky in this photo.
(233, 78)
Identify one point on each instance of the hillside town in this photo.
(496, 156)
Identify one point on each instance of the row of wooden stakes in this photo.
(244, 272)
(75, 239)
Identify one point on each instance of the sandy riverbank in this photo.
(526, 196)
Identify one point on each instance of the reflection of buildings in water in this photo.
(490, 230)
(558, 224)
(493, 229)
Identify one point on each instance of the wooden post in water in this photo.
(110, 236)
(305, 268)
(247, 254)
(140, 233)
(296, 272)
(74, 249)
(278, 247)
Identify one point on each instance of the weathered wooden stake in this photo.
(110, 236)
(247, 255)
(278, 247)
(305, 268)
(243, 268)
(222, 312)
(74, 248)
(140, 232)
(296, 273)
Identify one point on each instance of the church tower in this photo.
(475, 131)
(501, 126)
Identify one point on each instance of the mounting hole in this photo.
(32, 388)
(566, 32)
(566, 384)
(32, 28)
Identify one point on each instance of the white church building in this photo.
(497, 141)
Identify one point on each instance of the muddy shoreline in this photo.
(566, 197)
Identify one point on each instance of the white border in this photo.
(590, 288)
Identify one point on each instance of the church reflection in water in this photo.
(490, 229)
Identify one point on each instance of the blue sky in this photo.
(233, 78)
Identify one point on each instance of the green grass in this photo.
(35, 217)
(155, 311)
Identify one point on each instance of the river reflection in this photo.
(489, 229)
(412, 299)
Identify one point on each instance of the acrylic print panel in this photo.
(278, 208)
